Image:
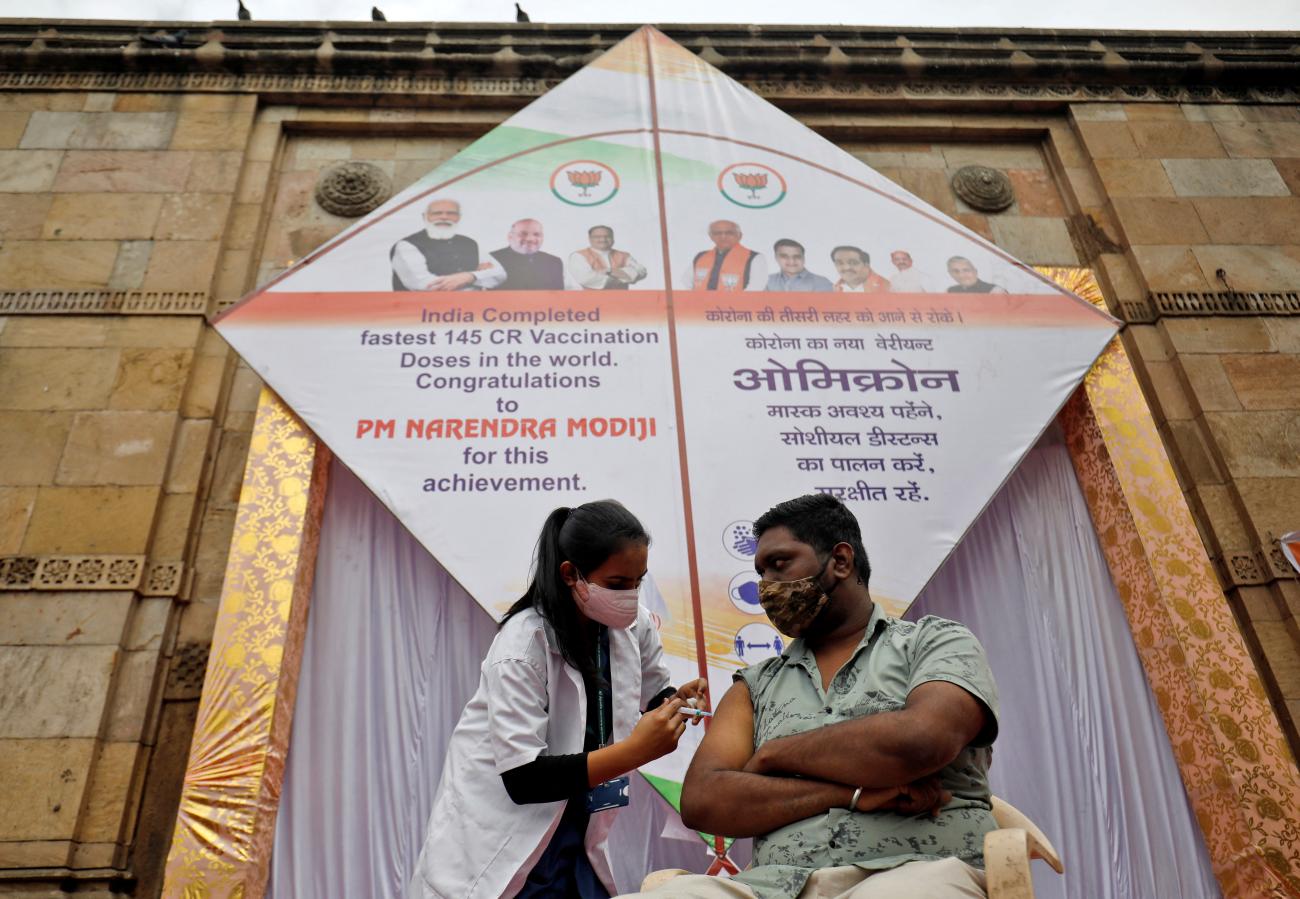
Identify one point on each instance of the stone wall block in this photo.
(172, 526)
(114, 520)
(116, 216)
(1174, 139)
(1166, 384)
(999, 156)
(132, 171)
(1259, 603)
(193, 217)
(215, 171)
(1036, 192)
(197, 130)
(1260, 139)
(1158, 220)
(99, 130)
(1118, 275)
(1224, 177)
(31, 444)
(157, 331)
(931, 185)
(150, 379)
(213, 548)
(13, 122)
(1085, 186)
(1107, 140)
(16, 504)
(22, 215)
(1285, 333)
(34, 854)
(203, 392)
(1216, 505)
(1212, 112)
(113, 793)
(186, 465)
(1250, 220)
(49, 379)
(1265, 382)
(131, 264)
(67, 264)
(28, 171)
(1153, 112)
(1252, 267)
(1270, 503)
(43, 782)
(1281, 653)
(1289, 170)
(181, 265)
(1037, 241)
(1169, 268)
(54, 691)
(56, 331)
(1217, 335)
(1209, 384)
(1260, 445)
(126, 448)
(64, 618)
(1099, 112)
(1193, 453)
(137, 691)
(1134, 178)
(148, 628)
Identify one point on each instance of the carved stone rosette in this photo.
(983, 188)
(352, 189)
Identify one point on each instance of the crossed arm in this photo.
(732, 790)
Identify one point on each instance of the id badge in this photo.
(610, 794)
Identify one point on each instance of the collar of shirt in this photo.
(798, 653)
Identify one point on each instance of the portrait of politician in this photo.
(792, 275)
(728, 266)
(967, 279)
(906, 279)
(439, 257)
(526, 266)
(601, 267)
(854, 268)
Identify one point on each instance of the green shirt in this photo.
(893, 659)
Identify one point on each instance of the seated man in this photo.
(858, 758)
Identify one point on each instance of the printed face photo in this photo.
(790, 259)
(900, 260)
(963, 272)
(526, 236)
(850, 265)
(602, 238)
(724, 235)
(442, 211)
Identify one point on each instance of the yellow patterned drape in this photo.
(1231, 752)
(222, 843)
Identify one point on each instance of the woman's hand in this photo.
(657, 733)
(695, 694)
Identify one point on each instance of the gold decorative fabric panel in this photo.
(1231, 752)
(226, 823)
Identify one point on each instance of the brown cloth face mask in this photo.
(793, 605)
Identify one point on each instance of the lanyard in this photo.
(602, 667)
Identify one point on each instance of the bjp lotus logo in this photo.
(752, 185)
(751, 181)
(584, 182)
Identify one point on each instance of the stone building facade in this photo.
(149, 178)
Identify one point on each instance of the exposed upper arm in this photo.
(729, 742)
(946, 717)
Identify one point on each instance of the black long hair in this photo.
(585, 535)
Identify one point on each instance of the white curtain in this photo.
(392, 656)
(1082, 750)
(394, 645)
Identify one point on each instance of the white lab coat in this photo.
(479, 844)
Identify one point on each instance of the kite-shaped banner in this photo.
(650, 284)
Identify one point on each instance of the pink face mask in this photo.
(612, 608)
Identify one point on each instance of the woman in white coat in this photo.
(537, 766)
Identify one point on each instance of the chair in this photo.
(1007, 854)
